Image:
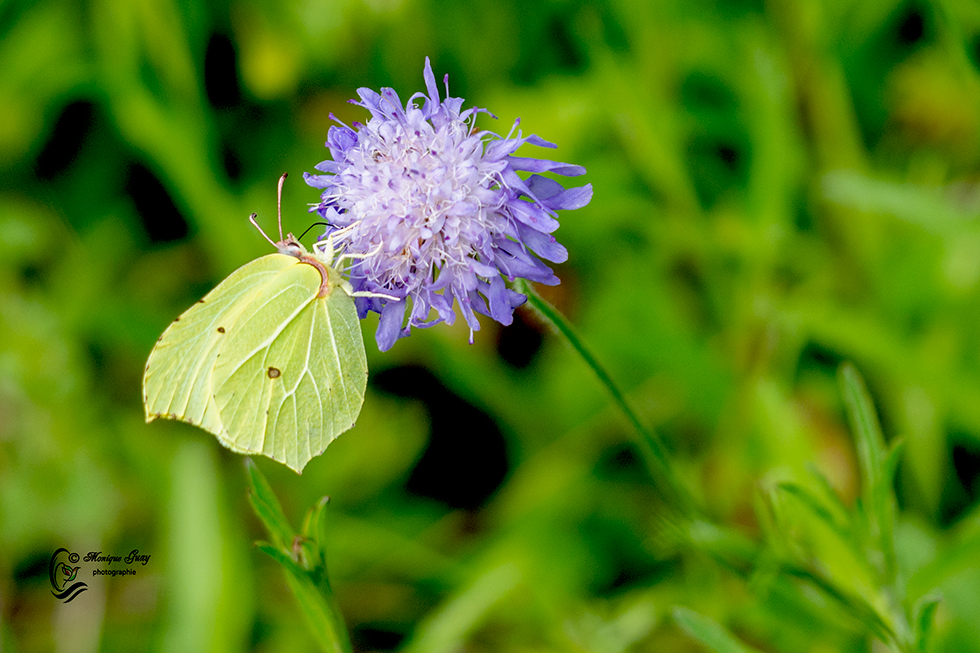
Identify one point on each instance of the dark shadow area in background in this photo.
(65, 142)
(378, 637)
(718, 151)
(974, 50)
(909, 27)
(465, 458)
(560, 44)
(221, 72)
(961, 491)
(158, 214)
(223, 90)
(33, 569)
(621, 557)
(519, 343)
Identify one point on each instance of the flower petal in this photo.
(543, 165)
(431, 214)
(390, 325)
(544, 245)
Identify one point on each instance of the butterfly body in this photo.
(270, 362)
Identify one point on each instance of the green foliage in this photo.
(708, 632)
(303, 560)
(781, 187)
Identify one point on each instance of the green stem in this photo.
(739, 558)
(651, 447)
(302, 559)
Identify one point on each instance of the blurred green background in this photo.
(779, 187)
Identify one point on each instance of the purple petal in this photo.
(391, 101)
(533, 215)
(534, 139)
(318, 181)
(331, 167)
(544, 245)
(390, 324)
(340, 140)
(503, 301)
(543, 165)
(514, 182)
(543, 187)
(466, 308)
(573, 198)
(430, 84)
(516, 262)
(370, 99)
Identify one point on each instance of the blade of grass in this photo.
(924, 613)
(877, 465)
(709, 632)
(817, 508)
(266, 506)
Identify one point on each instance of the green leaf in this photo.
(923, 613)
(830, 493)
(720, 542)
(864, 423)
(709, 632)
(315, 600)
(301, 558)
(446, 628)
(320, 609)
(890, 467)
(276, 554)
(267, 507)
(853, 605)
(877, 466)
(317, 529)
(816, 507)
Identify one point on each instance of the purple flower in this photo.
(431, 209)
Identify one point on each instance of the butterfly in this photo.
(270, 362)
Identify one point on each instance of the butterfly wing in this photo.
(291, 376)
(177, 381)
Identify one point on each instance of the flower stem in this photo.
(651, 446)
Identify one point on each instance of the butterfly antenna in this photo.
(315, 224)
(255, 224)
(279, 202)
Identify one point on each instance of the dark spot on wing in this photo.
(274, 372)
(221, 329)
(200, 301)
(177, 319)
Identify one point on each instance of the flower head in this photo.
(432, 210)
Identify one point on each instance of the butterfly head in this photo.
(290, 246)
